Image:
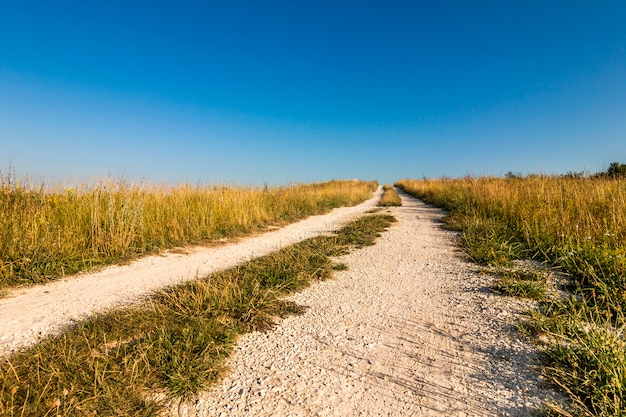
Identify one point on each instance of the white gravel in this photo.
(410, 329)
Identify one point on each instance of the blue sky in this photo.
(284, 91)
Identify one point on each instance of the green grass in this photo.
(523, 284)
(576, 225)
(390, 197)
(126, 362)
(589, 365)
(45, 234)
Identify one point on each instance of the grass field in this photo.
(45, 234)
(576, 225)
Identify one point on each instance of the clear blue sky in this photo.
(291, 91)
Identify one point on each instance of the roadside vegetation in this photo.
(131, 361)
(575, 224)
(390, 197)
(45, 233)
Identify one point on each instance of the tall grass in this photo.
(46, 234)
(130, 361)
(577, 225)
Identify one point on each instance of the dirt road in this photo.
(411, 329)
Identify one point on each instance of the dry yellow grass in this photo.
(553, 210)
(47, 234)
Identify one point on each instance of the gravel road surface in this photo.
(411, 329)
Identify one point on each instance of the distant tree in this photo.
(574, 175)
(511, 175)
(616, 170)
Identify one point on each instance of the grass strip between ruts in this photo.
(390, 197)
(128, 361)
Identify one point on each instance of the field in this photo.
(123, 361)
(45, 234)
(575, 225)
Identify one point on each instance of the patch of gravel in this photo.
(410, 329)
(30, 313)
